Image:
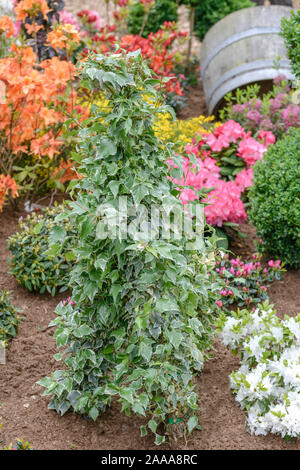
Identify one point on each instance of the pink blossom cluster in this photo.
(224, 203)
(67, 18)
(255, 277)
(277, 114)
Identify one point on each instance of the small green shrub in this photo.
(164, 10)
(34, 266)
(290, 31)
(275, 200)
(209, 12)
(20, 444)
(9, 319)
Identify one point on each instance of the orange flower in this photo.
(32, 28)
(6, 26)
(63, 36)
(7, 184)
(68, 172)
(31, 8)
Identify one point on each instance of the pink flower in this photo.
(67, 18)
(250, 150)
(267, 137)
(219, 303)
(244, 179)
(68, 301)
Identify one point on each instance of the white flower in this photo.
(6, 7)
(270, 384)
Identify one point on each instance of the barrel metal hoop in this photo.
(235, 38)
(236, 81)
(248, 67)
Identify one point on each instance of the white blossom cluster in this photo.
(267, 384)
(6, 7)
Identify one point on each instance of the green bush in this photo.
(34, 266)
(209, 12)
(9, 319)
(275, 200)
(164, 10)
(290, 31)
(140, 320)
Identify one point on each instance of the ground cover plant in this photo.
(142, 310)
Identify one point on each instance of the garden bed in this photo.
(24, 412)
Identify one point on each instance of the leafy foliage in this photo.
(209, 12)
(275, 200)
(34, 265)
(9, 319)
(163, 10)
(290, 31)
(144, 307)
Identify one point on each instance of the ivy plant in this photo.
(139, 323)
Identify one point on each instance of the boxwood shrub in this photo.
(275, 200)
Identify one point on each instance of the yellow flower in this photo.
(182, 131)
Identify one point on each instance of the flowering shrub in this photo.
(37, 103)
(36, 18)
(221, 163)
(275, 111)
(143, 313)
(246, 282)
(275, 200)
(34, 266)
(181, 132)
(267, 383)
(9, 319)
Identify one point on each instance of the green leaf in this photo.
(145, 351)
(192, 423)
(166, 305)
(83, 330)
(159, 439)
(94, 413)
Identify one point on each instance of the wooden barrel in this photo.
(241, 49)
